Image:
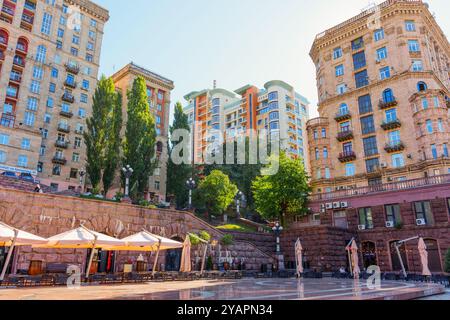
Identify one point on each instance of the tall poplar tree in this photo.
(177, 175)
(140, 137)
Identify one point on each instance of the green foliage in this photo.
(209, 263)
(216, 192)
(195, 241)
(177, 175)
(99, 134)
(237, 227)
(227, 240)
(283, 194)
(140, 137)
(447, 261)
(204, 235)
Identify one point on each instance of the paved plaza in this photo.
(245, 289)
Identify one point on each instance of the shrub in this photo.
(227, 240)
(209, 263)
(447, 261)
(204, 235)
(194, 239)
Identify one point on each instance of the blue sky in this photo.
(235, 42)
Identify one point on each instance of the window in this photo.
(47, 118)
(391, 115)
(316, 135)
(327, 173)
(74, 51)
(398, 161)
(324, 133)
(372, 165)
(317, 152)
(424, 103)
(85, 84)
(73, 173)
(429, 124)
(445, 150)
(345, 126)
(367, 125)
(26, 144)
(340, 219)
(60, 33)
(385, 73)
(29, 119)
(89, 57)
(365, 104)
(76, 39)
(394, 137)
(325, 153)
(357, 43)
(413, 46)
(350, 169)
(393, 214)
(423, 212)
(44, 133)
(37, 72)
(343, 109)
(361, 79)
(82, 113)
(347, 147)
(434, 152)
(359, 60)
(84, 98)
(46, 23)
(341, 88)
(77, 143)
(410, 26)
(2, 156)
(92, 34)
(56, 170)
(381, 54)
(370, 146)
(388, 96)
(339, 70)
(365, 217)
(319, 174)
(22, 161)
(54, 73)
(337, 53)
(4, 139)
(35, 86)
(90, 46)
(32, 104)
(378, 35)
(75, 157)
(417, 65)
(273, 96)
(52, 88)
(157, 185)
(93, 23)
(42, 150)
(440, 125)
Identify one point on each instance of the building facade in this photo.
(383, 99)
(276, 108)
(49, 60)
(158, 91)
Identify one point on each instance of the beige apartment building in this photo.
(383, 99)
(158, 91)
(49, 60)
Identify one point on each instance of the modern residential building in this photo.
(383, 99)
(276, 108)
(379, 150)
(158, 90)
(49, 60)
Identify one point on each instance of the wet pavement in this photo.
(243, 289)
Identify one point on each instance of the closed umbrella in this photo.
(424, 258)
(355, 259)
(186, 256)
(83, 238)
(299, 257)
(12, 237)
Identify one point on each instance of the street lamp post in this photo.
(277, 229)
(82, 174)
(238, 198)
(127, 172)
(191, 185)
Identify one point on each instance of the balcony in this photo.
(61, 144)
(385, 105)
(19, 62)
(57, 159)
(342, 116)
(30, 5)
(394, 147)
(66, 114)
(345, 136)
(63, 128)
(72, 68)
(8, 10)
(389, 187)
(68, 97)
(3, 41)
(348, 156)
(27, 19)
(391, 125)
(70, 84)
(7, 120)
(15, 77)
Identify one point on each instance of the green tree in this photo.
(447, 261)
(98, 131)
(113, 144)
(216, 192)
(284, 193)
(177, 175)
(140, 137)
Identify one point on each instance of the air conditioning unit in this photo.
(421, 222)
(323, 210)
(329, 206)
(389, 224)
(384, 165)
(361, 227)
(322, 206)
(336, 205)
(344, 204)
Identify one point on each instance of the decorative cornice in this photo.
(91, 8)
(148, 75)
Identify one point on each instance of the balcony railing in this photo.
(390, 125)
(19, 62)
(30, 6)
(394, 147)
(68, 97)
(61, 144)
(8, 10)
(70, 84)
(15, 77)
(345, 136)
(63, 128)
(72, 68)
(389, 104)
(67, 114)
(3, 41)
(347, 156)
(342, 116)
(57, 159)
(27, 19)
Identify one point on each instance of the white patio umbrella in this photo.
(82, 238)
(186, 256)
(424, 258)
(355, 259)
(12, 237)
(299, 257)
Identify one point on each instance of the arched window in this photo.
(317, 154)
(396, 265)
(325, 153)
(434, 258)
(369, 254)
(388, 96)
(41, 53)
(422, 86)
(4, 37)
(22, 44)
(343, 108)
